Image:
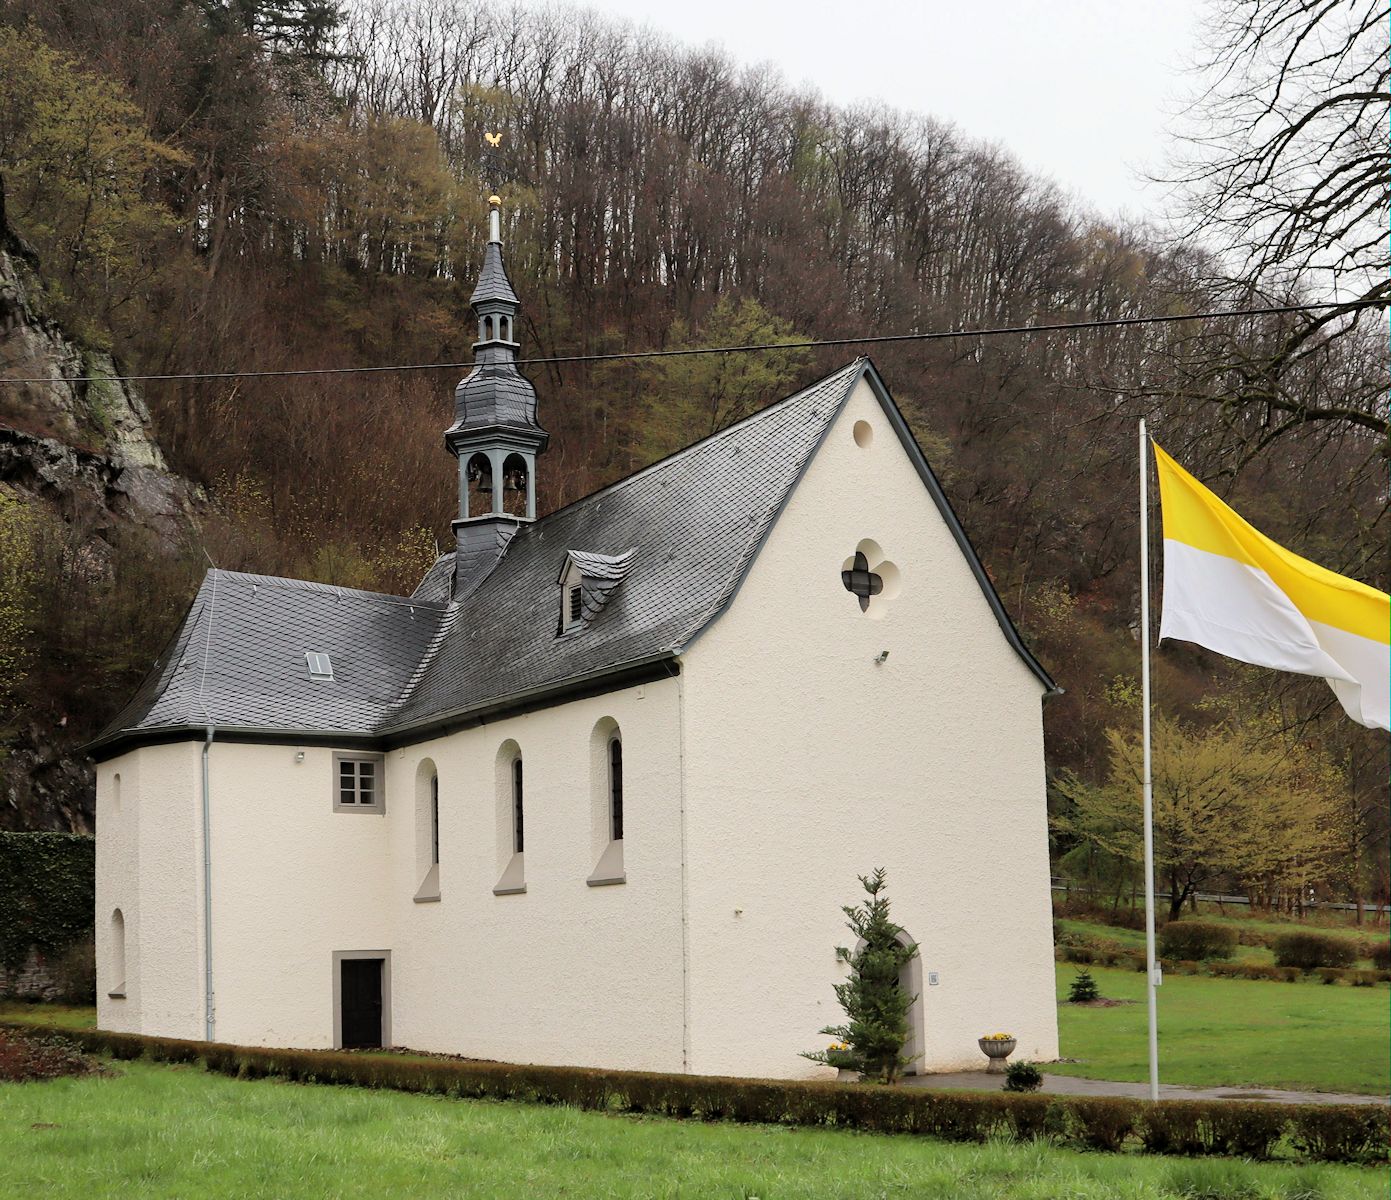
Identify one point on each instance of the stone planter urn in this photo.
(997, 1050)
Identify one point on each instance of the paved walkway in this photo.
(1073, 1085)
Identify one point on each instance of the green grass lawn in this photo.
(1231, 1032)
(1338, 923)
(162, 1131)
(69, 1016)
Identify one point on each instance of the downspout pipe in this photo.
(207, 892)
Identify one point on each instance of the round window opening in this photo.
(864, 434)
(871, 578)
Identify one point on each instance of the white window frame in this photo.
(569, 586)
(378, 803)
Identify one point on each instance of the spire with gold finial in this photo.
(495, 435)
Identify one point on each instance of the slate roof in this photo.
(493, 283)
(404, 666)
(494, 393)
(239, 659)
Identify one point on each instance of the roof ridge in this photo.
(719, 433)
(333, 589)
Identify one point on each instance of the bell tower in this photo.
(495, 435)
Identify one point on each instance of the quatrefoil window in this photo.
(871, 578)
(863, 582)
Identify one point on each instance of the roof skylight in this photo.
(319, 665)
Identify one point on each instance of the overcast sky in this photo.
(1080, 90)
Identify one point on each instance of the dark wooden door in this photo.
(361, 997)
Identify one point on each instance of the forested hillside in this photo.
(212, 187)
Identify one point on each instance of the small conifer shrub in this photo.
(1083, 989)
(876, 1006)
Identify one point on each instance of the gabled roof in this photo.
(406, 668)
(696, 520)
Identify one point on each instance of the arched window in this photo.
(117, 990)
(427, 831)
(616, 788)
(518, 815)
(434, 820)
(516, 486)
(487, 329)
(606, 803)
(511, 820)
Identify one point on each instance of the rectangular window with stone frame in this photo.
(359, 783)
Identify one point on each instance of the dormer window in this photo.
(587, 583)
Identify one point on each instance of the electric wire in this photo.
(809, 344)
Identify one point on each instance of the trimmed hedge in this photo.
(1197, 940)
(1309, 951)
(1338, 1133)
(1135, 960)
(47, 892)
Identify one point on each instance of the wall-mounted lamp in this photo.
(880, 657)
(299, 756)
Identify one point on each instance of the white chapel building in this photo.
(595, 793)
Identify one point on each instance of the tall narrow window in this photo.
(509, 820)
(616, 788)
(427, 831)
(517, 840)
(606, 803)
(117, 990)
(434, 820)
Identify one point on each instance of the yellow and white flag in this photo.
(1230, 588)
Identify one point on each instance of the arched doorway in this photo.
(910, 980)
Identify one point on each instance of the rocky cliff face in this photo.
(85, 452)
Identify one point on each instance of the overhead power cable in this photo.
(809, 344)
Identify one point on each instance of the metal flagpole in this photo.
(1152, 971)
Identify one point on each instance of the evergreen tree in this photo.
(1083, 989)
(876, 1005)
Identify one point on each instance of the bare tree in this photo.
(1284, 174)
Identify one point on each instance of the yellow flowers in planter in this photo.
(997, 1037)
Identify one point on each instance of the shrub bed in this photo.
(1197, 940)
(1309, 951)
(1135, 960)
(1340, 1133)
(24, 1057)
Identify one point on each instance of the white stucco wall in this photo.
(808, 763)
(563, 973)
(149, 866)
